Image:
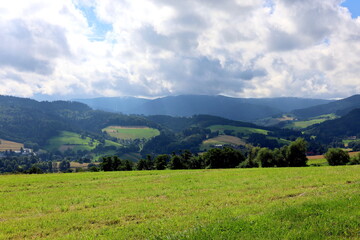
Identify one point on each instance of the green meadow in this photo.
(131, 132)
(274, 203)
(311, 121)
(70, 140)
(243, 130)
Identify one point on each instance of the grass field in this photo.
(69, 140)
(8, 145)
(221, 140)
(321, 160)
(243, 130)
(312, 121)
(278, 203)
(131, 132)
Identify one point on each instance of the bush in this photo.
(355, 160)
(337, 156)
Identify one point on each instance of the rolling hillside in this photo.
(343, 127)
(32, 122)
(339, 108)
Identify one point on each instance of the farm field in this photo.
(277, 203)
(8, 145)
(69, 140)
(222, 140)
(131, 132)
(243, 130)
(312, 121)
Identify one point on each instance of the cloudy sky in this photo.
(243, 48)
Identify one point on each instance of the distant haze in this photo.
(243, 109)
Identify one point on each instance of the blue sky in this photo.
(353, 6)
(99, 28)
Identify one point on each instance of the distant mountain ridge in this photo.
(240, 109)
(346, 126)
(339, 107)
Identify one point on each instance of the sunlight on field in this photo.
(222, 140)
(278, 203)
(135, 132)
(243, 130)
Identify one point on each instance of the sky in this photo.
(151, 48)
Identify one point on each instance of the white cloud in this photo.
(254, 48)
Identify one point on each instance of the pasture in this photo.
(135, 132)
(243, 130)
(311, 121)
(70, 140)
(9, 145)
(222, 140)
(277, 203)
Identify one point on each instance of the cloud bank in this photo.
(243, 48)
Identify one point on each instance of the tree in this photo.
(265, 158)
(176, 162)
(337, 156)
(64, 166)
(161, 161)
(223, 158)
(250, 160)
(296, 153)
(354, 145)
(106, 164)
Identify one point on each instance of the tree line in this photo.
(293, 155)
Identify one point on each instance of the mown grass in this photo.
(283, 203)
(131, 132)
(243, 130)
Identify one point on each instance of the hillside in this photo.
(32, 122)
(343, 127)
(340, 108)
(190, 133)
(203, 121)
(242, 109)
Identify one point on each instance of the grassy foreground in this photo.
(278, 203)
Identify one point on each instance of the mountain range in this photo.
(241, 109)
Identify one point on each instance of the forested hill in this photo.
(241, 109)
(340, 108)
(25, 120)
(343, 127)
(180, 123)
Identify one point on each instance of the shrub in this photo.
(355, 160)
(337, 156)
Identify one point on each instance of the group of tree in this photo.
(337, 156)
(293, 155)
(24, 164)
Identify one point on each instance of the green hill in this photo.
(36, 123)
(339, 108)
(343, 127)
